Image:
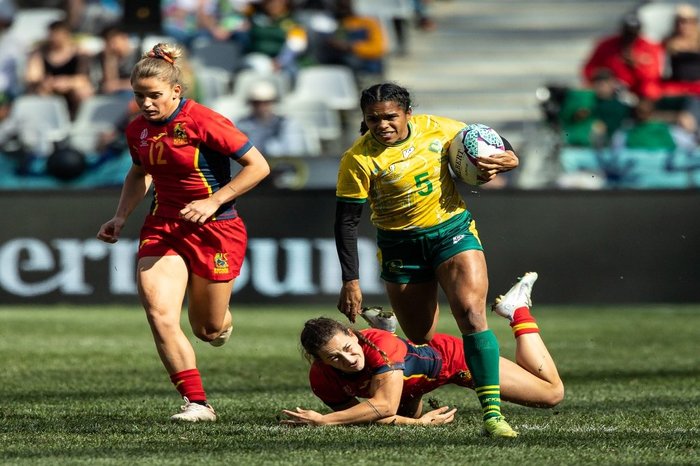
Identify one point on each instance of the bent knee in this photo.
(555, 396)
(207, 333)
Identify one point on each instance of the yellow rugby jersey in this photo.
(408, 184)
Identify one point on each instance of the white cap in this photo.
(262, 91)
(685, 10)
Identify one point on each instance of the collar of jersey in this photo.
(172, 115)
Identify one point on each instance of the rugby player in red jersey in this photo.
(390, 374)
(193, 242)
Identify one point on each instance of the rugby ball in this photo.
(470, 143)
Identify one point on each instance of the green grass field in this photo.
(84, 386)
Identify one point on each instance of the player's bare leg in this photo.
(162, 282)
(416, 308)
(208, 312)
(534, 380)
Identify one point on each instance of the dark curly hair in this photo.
(384, 92)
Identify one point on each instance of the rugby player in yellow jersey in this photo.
(425, 234)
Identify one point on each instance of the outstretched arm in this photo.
(384, 403)
(347, 218)
(436, 417)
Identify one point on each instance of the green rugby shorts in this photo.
(412, 256)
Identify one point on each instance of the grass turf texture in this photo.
(84, 386)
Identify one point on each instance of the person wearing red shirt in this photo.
(193, 242)
(391, 374)
(634, 60)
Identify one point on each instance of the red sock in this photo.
(523, 322)
(189, 384)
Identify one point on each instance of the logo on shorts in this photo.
(221, 263)
(457, 239)
(180, 135)
(395, 265)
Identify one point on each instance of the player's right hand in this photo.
(110, 231)
(350, 300)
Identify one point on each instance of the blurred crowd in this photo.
(638, 92)
(286, 71)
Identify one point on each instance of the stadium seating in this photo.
(149, 40)
(231, 106)
(32, 24)
(224, 55)
(335, 84)
(42, 121)
(96, 115)
(212, 83)
(245, 77)
(314, 113)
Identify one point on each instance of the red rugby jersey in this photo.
(425, 367)
(189, 156)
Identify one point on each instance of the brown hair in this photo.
(160, 62)
(318, 332)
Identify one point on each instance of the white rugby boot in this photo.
(518, 296)
(194, 412)
(377, 317)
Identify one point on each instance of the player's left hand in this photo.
(436, 417)
(302, 417)
(199, 211)
(498, 163)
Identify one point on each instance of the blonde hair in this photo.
(160, 62)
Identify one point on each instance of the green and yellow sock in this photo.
(482, 354)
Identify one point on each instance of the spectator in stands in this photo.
(359, 43)
(116, 61)
(589, 117)
(229, 19)
(57, 66)
(8, 127)
(188, 20)
(272, 31)
(635, 61)
(12, 53)
(645, 130)
(682, 47)
(275, 135)
(423, 19)
(92, 16)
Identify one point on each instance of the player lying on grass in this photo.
(391, 374)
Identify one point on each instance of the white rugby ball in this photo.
(470, 143)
